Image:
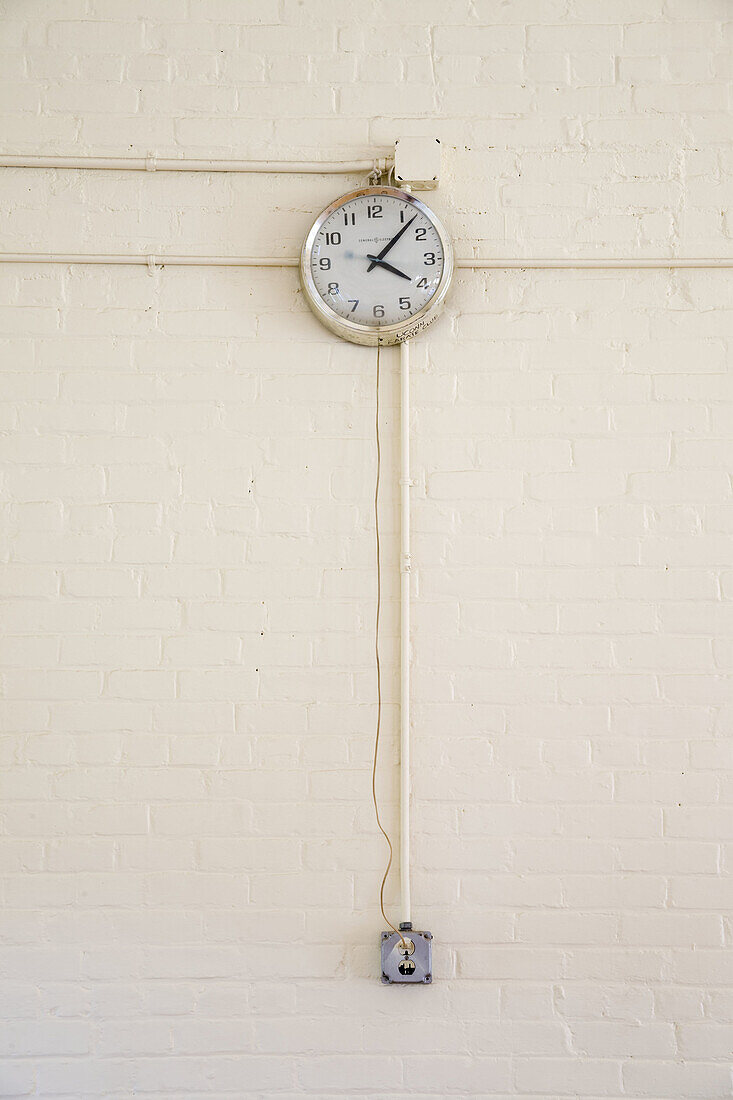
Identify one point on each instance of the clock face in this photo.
(376, 259)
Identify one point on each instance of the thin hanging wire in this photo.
(378, 664)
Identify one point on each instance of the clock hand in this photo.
(391, 244)
(394, 270)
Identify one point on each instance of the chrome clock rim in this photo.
(371, 335)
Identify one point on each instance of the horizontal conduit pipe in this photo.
(154, 260)
(169, 164)
(147, 260)
(590, 264)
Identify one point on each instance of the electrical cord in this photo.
(378, 665)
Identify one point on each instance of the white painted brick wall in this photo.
(189, 860)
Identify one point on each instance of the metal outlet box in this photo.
(417, 163)
(409, 968)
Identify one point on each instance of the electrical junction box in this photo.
(417, 163)
(411, 967)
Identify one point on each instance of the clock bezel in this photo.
(371, 335)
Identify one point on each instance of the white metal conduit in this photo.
(405, 569)
(494, 263)
(152, 163)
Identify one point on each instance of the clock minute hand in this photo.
(389, 267)
(392, 243)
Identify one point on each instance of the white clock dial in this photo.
(374, 262)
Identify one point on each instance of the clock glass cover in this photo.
(376, 265)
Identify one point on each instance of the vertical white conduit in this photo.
(405, 631)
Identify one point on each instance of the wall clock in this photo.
(376, 266)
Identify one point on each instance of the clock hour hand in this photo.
(383, 263)
(390, 244)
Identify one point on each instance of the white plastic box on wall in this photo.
(417, 163)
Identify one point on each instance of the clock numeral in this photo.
(402, 215)
(404, 303)
(422, 283)
(374, 211)
(324, 263)
(333, 288)
(420, 234)
(349, 219)
(378, 311)
(333, 238)
(353, 302)
(429, 258)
